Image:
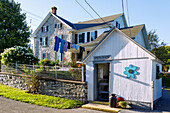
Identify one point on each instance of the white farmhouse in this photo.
(117, 57)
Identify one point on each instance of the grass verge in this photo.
(42, 100)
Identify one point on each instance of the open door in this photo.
(103, 82)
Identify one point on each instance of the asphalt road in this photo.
(12, 106)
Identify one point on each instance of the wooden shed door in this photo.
(103, 82)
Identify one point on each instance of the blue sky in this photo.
(153, 13)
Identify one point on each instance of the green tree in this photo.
(163, 53)
(154, 40)
(13, 26)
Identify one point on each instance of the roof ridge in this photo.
(98, 18)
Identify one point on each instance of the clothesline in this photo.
(66, 45)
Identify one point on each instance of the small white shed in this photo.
(120, 65)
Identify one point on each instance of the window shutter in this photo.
(62, 36)
(83, 36)
(46, 28)
(55, 25)
(46, 41)
(76, 38)
(88, 36)
(41, 41)
(42, 29)
(95, 34)
(61, 25)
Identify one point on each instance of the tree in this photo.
(13, 26)
(21, 55)
(163, 53)
(154, 40)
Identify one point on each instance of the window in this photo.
(44, 41)
(59, 56)
(44, 55)
(44, 28)
(157, 72)
(117, 25)
(81, 38)
(59, 25)
(92, 36)
(76, 38)
(61, 36)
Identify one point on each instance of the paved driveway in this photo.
(11, 106)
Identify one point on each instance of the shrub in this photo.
(21, 55)
(45, 62)
(123, 104)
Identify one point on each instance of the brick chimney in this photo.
(54, 10)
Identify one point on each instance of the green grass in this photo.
(42, 100)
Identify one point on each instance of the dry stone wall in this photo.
(53, 87)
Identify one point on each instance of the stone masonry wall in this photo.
(53, 87)
(52, 32)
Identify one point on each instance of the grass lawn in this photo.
(42, 100)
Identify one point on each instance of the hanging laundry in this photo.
(62, 46)
(76, 46)
(82, 49)
(69, 45)
(57, 41)
(72, 45)
(65, 46)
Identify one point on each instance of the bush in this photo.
(46, 62)
(123, 104)
(21, 55)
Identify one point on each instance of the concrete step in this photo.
(99, 102)
(101, 107)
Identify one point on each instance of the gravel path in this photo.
(12, 106)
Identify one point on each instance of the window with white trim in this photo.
(92, 36)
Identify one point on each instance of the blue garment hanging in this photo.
(62, 46)
(65, 46)
(57, 41)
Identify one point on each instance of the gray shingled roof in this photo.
(98, 20)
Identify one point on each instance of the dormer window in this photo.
(117, 25)
(44, 29)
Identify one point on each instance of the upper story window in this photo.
(44, 29)
(117, 25)
(61, 36)
(81, 38)
(93, 35)
(44, 41)
(58, 25)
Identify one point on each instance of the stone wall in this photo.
(54, 87)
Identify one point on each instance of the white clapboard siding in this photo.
(119, 47)
(157, 82)
(123, 53)
(138, 89)
(140, 39)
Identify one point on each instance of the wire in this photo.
(128, 16)
(33, 14)
(86, 11)
(94, 10)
